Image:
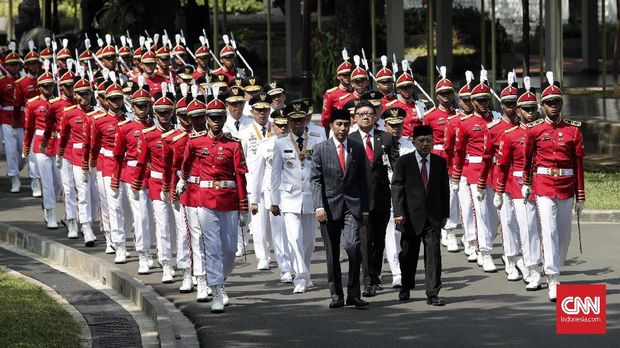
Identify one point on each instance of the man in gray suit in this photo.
(340, 198)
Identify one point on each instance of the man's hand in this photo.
(115, 192)
(579, 207)
(253, 208)
(24, 155)
(163, 195)
(498, 201)
(480, 195)
(364, 219)
(58, 162)
(526, 190)
(275, 210)
(181, 187)
(244, 218)
(444, 221)
(135, 194)
(321, 215)
(176, 204)
(399, 220)
(454, 185)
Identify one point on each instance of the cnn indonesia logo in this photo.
(581, 309)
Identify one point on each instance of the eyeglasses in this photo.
(365, 114)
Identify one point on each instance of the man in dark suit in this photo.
(421, 201)
(381, 152)
(341, 205)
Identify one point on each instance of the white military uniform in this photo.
(290, 189)
(259, 191)
(230, 125)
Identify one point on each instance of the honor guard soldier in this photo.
(385, 82)
(496, 129)
(107, 55)
(223, 193)
(251, 87)
(470, 145)
(124, 53)
(278, 96)
(508, 182)
(151, 155)
(227, 58)
(38, 112)
(251, 137)
(71, 131)
(359, 84)
(202, 58)
(63, 56)
(163, 69)
(235, 119)
(291, 191)
(260, 197)
(125, 154)
(313, 129)
(12, 127)
(405, 101)
(554, 151)
(332, 95)
(149, 64)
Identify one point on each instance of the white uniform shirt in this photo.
(230, 128)
(262, 173)
(251, 136)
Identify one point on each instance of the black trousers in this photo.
(373, 244)
(408, 257)
(331, 230)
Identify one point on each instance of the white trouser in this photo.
(164, 229)
(33, 168)
(184, 238)
(198, 251)
(116, 211)
(300, 229)
(83, 196)
(141, 210)
(69, 189)
(261, 230)
(104, 216)
(241, 243)
(50, 180)
(529, 231)
(453, 219)
(555, 225)
(467, 211)
(13, 145)
(392, 246)
(510, 228)
(219, 237)
(94, 195)
(281, 248)
(487, 218)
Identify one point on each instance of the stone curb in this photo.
(598, 216)
(174, 329)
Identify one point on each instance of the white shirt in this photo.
(372, 137)
(229, 126)
(428, 163)
(337, 143)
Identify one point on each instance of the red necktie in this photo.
(424, 174)
(369, 151)
(341, 156)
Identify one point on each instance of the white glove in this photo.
(24, 156)
(58, 162)
(181, 187)
(454, 185)
(176, 205)
(525, 191)
(84, 176)
(480, 195)
(115, 192)
(498, 200)
(579, 207)
(164, 196)
(244, 218)
(135, 194)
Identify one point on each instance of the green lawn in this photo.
(30, 318)
(602, 189)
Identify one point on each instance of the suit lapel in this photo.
(378, 150)
(349, 157)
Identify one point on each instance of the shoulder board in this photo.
(147, 130)
(391, 103)
(91, 113)
(198, 134)
(54, 100)
(217, 70)
(179, 136)
(314, 134)
(123, 122)
(453, 116)
(34, 98)
(510, 129)
(572, 123)
(429, 111)
(70, 107)
(165, 135)
(21, 78)
(535, 123)
(332, 89)
(493, 124)
(466, 117)
(228, 136)
(98, 116)
(344, 96)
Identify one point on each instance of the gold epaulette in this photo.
(97, 115)
(510, 129)
(198, 134)
(493, 124)
(146, 130)
(572, 123)
(535, 123)
(21, 78)
(179, 136)
(466, 117)
(165, 135)
(388, 104)
(453, 116)
(91, 113)
(344, 96)
(33, 99)
(54, 100)
(123, 122)
(429, 111)
(331, 89)
(228, 136)
(70, 107)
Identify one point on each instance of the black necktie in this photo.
(300, 143)
(264, 130)
(237, 124)
(423, 173)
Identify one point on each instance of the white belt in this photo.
(555, 171)
(132, 163)
(77, 145)
(438, 147)
(41, 132)
(218, 184)
(157, 175)
(474, 159)
(194, 179)
(7, 108)
(518, 173)
(107, 153)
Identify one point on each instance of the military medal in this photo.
(303, 153)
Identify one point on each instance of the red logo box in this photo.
(581, 309)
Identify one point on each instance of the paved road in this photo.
(482, 309)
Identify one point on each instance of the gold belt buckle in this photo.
(554, 171)
(217, 184)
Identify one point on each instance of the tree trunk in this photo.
(526, 37)
(355, 24)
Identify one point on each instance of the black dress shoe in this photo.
(369, 291)
(336, 303)
(434, 301)
(404, 294)
(356, 301)
(378, 287)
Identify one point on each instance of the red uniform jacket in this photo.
(99, 146)
(150, 158)
(555, 147)
(345, 98)
(496, 129)
(411, 118)
(470, 143)
(386, 99)
(38, 111)
(126, 150)
(219, 159)
(72, 131)
(437, 119)
(508, 173)
(198, 73)
(330, 99)
(154, 82)
(449, 137)
(174, 149)
(229, 74)
(52, 128)
(25, 88)
(7, 100)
